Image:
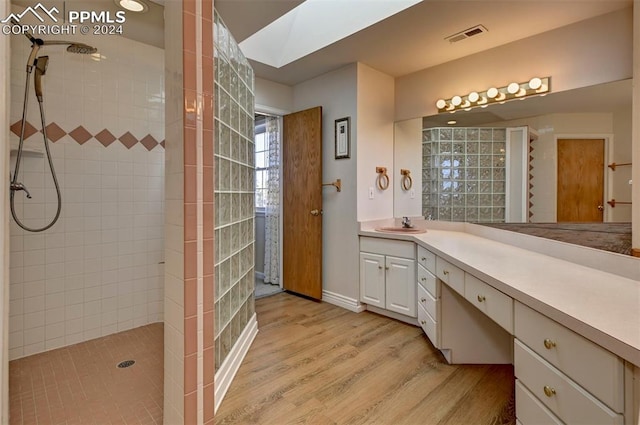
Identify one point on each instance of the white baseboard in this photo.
(342, 301)
(260, 275)
(228, 369)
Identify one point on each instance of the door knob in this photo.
(315, 212)
(600, 207)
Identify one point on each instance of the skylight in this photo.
(314, 25)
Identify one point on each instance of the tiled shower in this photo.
(234, 192)
(98, 270)
(464, 174)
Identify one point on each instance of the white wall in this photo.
(375, 96)
(336, 92)
(272, 97)
(590, 52)
(96, 271)
(4, 220)
(408, 155)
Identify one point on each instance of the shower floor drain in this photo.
(126, 363)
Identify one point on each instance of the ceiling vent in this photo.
(469, 32)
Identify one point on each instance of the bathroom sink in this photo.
(412, 230)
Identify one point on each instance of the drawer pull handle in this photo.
(386, 268)
(424, 279)
(481, 298)
(423, 259)
(446, 272)
(549, 344)
(423, 322)
(380, 267)
(548, 391)
(423, 300)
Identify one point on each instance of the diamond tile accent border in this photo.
(105, 137)
(81, 135)
(128, 140)
(29, 130)
(54, 132)
(149, 142)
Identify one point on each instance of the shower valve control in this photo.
(19, 186)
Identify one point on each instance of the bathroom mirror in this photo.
(597, 112)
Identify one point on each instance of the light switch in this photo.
(412, 193)
(371, 193)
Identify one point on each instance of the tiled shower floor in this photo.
(81, 384)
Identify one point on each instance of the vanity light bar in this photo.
(533, 87)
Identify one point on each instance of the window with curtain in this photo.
(267, 138)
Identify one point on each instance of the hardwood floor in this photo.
(315, 363)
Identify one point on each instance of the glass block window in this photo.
(464, 174)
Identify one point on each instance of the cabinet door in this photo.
(401, 286)
(372, 273)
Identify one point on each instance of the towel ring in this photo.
(406, 182)
(383, 178)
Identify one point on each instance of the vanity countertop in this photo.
(600, 305)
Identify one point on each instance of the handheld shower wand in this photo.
(40, 65)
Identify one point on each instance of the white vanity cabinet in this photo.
(388, 275)
(428, 296)
(574, 379)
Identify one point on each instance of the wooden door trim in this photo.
(608, 153)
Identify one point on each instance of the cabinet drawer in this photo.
(530, 410)
(429, 326)
(388, 247)
(597, 370)
(450, 274)
(427, 259)
(490, 301)
(571, 403)
(428, 302)
(428, 281)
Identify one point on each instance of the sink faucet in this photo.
(406, 223)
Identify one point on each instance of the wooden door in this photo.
(401, 285)
(580, 180)
(372, 279)
(302, 202)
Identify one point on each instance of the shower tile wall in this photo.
(464, 174)
(234, 192)
(97, 271)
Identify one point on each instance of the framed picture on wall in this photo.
(343, 138)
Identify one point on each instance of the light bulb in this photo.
(513, 88)
(535, 83)
(492, 92)
(441, 103)
(473, 96)
(456, 100)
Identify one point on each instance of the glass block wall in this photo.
(464, 174)
(234, 192)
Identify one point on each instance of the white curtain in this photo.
(272, 204)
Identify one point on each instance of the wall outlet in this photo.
(371, 193)
(412, 193)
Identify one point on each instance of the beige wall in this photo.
(273, 98)
(375, 142)
(590, 52)
(337, 93)
(408, 155)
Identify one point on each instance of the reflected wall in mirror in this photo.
(597, 112)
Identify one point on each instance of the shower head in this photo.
(41, 69)
(81, 48)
